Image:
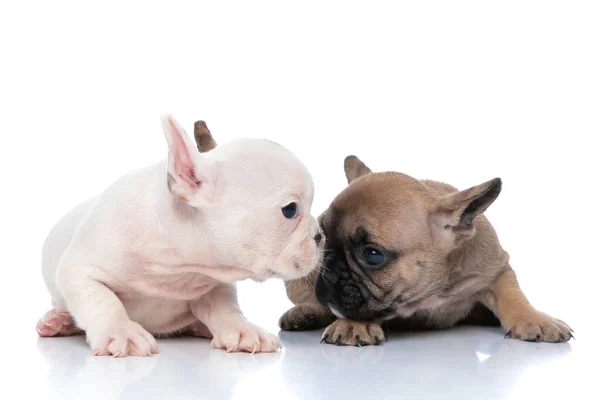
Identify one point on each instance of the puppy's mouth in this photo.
(304, 268)
(347, 298)
(335, 311)
(341, 296)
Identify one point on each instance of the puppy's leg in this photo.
(231, 331)
(100, 313)
(307, 313)
(519, 318)
(306, 316)
(57, 322)
(348, 332)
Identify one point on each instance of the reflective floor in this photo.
(461, 363)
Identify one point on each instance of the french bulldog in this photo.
(159, 251)
(413, 255)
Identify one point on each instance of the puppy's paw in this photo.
(538, 327)
(128, 339)
(56, 323)
(243, 336)
(347, 332)
(305, 317)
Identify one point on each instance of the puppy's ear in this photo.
(453, 220)
(354, 168)
(204, 139)
(191, 175)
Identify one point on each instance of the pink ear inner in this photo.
(182, 162)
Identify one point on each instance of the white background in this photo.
(460, 91)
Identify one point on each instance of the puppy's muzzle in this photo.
(335, 287)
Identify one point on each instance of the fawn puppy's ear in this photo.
(354, 168)
(204, 139)
(452, 222)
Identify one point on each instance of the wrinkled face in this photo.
(379, 248)
(389, 240)
(253, 199)
(262, 216)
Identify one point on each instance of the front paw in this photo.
(538, 327)
(347, 332)
(305, 317)
(128, 339)
(243, 336)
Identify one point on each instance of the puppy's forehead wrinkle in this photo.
(391, 203)
(360, 235)
(364, 289)
(363, 278)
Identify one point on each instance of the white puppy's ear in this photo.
(191, 175)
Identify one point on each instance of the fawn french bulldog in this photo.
(157, 253)
(414, 254)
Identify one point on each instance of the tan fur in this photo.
(450, 266)
(204, 139)
(307, 313)
(518, 317)
(347, 331)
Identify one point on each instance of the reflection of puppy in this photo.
(158, 251)
(417, 255)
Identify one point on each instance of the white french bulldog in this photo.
(159, 251)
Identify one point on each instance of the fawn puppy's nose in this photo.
(318, 238)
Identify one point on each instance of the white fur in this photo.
(142, 258)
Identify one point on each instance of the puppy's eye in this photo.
(289, 211)
(373, 256)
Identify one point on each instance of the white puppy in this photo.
(158, 251)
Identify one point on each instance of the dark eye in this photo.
(373, 256)
(289, 211)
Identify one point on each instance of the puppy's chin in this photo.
(258, 278)
(297, 270)
(304, 267)
(291, 272)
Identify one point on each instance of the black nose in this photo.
(318, 238)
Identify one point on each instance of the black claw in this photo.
(324, 338)
(508, 334)
(338, 340)
(538, 338)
